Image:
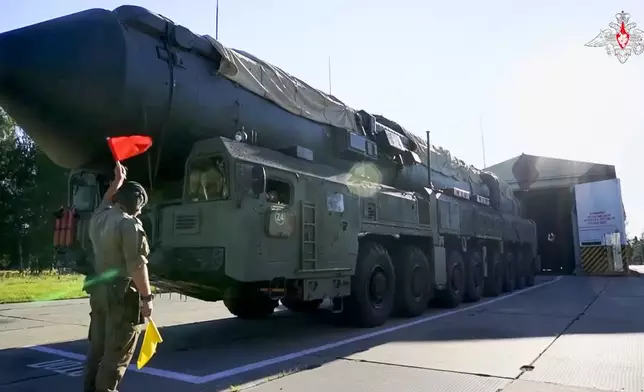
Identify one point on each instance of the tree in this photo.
(31, 187)
(12, 171)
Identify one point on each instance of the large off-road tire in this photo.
(495, 272)
(531, 268)
(510, 272)
(300, 306)
(373, 287)
(247, 303)
(454, 292)
(414, 283)
(474, 276)
(521, 263)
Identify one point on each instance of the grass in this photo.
(16, 286)
(26, 287)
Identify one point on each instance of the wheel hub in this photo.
(377, 286)
(456, 278)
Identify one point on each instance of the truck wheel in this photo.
(453, 294)
(413, 282)
(250, 304)
(521, 270)
(495, 273)
(474, 277)
(372, 287)
(530, 268)
(300, 306)
(510, 272)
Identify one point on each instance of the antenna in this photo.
(482, 140)
(217, 20)
(429, 161)
(329, 74)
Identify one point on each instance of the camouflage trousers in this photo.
(113, 334)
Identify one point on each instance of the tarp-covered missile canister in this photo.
(99, 73)
(297, 97)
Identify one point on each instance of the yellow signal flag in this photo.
(151, 338)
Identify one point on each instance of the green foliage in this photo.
(31, 188)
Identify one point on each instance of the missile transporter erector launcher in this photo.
(262, 187)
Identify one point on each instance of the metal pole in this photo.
(482, 140)
(429, 161)
(330, 75)
(217, 21)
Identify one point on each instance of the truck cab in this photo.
(255, 222)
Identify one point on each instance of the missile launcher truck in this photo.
(262, 188)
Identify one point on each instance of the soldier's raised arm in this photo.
(120, 173)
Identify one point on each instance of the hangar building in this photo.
(578, 210)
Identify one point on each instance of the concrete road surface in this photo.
(563, 335)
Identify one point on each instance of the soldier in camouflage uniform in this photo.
(120, 295)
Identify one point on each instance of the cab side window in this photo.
(278, 191)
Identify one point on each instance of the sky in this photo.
(443, 66)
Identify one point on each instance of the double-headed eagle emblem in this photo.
(621, 40)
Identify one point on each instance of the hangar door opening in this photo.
(551, 210)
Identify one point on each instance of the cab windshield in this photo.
(208, 179)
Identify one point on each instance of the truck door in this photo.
(279, 244)
(329, 226)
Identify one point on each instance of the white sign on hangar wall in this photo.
(600, 210)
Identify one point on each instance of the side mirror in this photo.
(258, 180)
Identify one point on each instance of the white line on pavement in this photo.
(146, 370)
(287, 357)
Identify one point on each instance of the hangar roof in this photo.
(525, 172)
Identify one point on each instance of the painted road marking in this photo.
(287, 357)
(61, 366)
(146, 370)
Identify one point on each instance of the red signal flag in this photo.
(125, 147)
